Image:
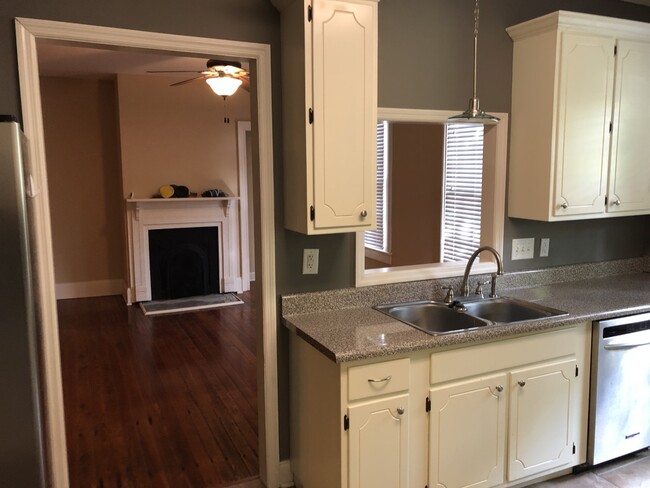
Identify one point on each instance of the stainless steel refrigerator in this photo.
(21, 441)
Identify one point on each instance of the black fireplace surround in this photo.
(184, 262)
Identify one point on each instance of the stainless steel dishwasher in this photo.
(619, 407)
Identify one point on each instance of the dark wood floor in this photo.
(168, 401)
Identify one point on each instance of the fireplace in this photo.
(207, 258)
(184, 262)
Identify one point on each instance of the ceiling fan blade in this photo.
(202, 77)
(174, 71)
(245, 84)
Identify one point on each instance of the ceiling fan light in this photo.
(223, 86)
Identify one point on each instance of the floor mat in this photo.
(190, 304)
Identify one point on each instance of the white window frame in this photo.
(377, 241)
(494, 190)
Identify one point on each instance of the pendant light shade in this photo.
(224, 85)
(473, 112)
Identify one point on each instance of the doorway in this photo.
(28, 32)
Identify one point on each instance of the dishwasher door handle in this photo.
(626, 345)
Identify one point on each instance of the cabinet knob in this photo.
(521, 383)
(617, 202)
(564, 205)
(499, 388)
(400, 410)
(364, 213)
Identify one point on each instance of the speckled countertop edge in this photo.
(344, 332)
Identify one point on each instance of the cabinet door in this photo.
(378, 444)
(344, 61)
(467, 433)
(541, 418)
(585, 93)
(629, 177)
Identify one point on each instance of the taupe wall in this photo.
(83, 166)
(177, 135)
(416, 164)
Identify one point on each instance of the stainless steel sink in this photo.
(504, 310)
(439, 318)
(432, 317)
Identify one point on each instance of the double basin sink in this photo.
(440, 318)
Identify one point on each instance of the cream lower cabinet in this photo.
(491, 414)
(467, 445)
(378, 443)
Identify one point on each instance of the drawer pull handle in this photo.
(499, 388)
(521, 383)
(400, 410)
(387, 378)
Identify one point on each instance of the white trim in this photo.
(242, 165)
(84, 289)
(27, 32)
(496, 147)
(286, 475)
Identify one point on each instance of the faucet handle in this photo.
(449, 298)
(479, 287)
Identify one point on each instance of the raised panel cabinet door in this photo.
(541, 418)
(585, 92)
(378, 443)
(467, 433)
(344, 46)
(629, 177)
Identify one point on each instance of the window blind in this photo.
(378, 239)
(461, 223)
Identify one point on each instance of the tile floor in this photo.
(632, 471)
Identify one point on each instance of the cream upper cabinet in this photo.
(329, 73)
(629, 177)
(580, 99)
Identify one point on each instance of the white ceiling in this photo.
(75, 61)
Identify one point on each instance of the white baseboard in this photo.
(85, 289)
(286, 475)
(251, 276)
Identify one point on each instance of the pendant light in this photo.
(224, 86)
(473, 112)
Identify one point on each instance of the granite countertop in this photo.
(349, 334)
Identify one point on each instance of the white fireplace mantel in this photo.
(143, 215)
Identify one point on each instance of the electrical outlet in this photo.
(310, 261)
(523, 248)
(544, 246)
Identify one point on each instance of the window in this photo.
(463, 182)
(377, 240)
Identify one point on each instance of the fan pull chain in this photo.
(226, 119)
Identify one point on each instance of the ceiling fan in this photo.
(224, 77)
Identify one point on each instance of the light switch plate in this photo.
(544, 247)
(523, 248)
(310, 261)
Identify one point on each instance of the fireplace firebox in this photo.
(184, 262)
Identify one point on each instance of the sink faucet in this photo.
(493, 292)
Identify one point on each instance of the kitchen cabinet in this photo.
(329, 75)
(516, 407)
(350, 424)
(580, 99)
(512, 408)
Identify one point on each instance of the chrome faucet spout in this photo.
(470, 262)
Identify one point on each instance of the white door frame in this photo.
(27, 33)
(243, 127)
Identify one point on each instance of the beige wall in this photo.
(416, 164)
(177, 135)
(83, 167)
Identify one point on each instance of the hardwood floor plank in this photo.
(163, 401)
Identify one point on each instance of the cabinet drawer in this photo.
(378, 379)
